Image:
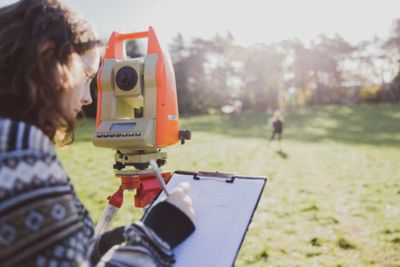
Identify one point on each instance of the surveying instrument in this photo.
(137, 116)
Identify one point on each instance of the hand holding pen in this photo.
(178, 196)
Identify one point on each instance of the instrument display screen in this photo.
(122, 126)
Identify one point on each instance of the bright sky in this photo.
(250, 21)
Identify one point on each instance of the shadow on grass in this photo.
(282, 154)
(365, 124)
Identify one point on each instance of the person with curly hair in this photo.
(48, 57)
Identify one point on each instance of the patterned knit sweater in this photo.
(42, 221)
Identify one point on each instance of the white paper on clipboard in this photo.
(223, 214)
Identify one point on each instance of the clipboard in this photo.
(224, 204)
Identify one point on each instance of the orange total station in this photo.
(137, 109)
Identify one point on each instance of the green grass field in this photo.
(333, 194)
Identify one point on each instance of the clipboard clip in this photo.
(230, 177)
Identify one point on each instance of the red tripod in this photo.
(147, 188)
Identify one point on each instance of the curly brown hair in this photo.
(37, 41)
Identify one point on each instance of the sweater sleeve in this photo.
(42, 222)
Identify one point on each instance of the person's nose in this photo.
(86, 98)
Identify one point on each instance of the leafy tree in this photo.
(392, 46)
(263, 77)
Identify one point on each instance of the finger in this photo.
(192, 213)
(178, 192)
(181, 189)
(188, 201)
(185, 186)
(180, 199)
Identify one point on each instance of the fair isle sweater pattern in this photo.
(42, 222)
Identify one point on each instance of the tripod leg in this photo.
(111, 209)
(106, 219)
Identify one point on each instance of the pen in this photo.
(160, 179)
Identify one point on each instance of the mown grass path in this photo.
(333, 195)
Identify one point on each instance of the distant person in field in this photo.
(277, 126)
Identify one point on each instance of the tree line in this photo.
(211, 73)
(214, 72)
